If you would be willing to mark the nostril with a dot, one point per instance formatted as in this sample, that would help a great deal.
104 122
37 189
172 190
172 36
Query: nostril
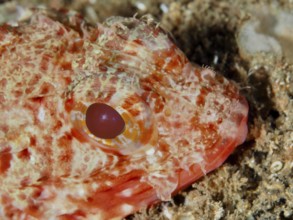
103 121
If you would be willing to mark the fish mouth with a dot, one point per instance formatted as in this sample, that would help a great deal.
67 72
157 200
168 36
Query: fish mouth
196 171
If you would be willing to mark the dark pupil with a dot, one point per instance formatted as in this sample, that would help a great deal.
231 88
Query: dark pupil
103 121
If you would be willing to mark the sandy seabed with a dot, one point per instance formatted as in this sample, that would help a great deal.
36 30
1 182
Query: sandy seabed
256 182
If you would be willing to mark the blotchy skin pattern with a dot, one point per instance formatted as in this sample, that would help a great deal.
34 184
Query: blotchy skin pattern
181 121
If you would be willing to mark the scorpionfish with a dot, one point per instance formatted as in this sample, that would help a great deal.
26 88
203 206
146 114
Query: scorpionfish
100 121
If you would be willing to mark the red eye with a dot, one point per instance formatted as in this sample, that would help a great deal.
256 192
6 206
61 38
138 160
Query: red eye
103 121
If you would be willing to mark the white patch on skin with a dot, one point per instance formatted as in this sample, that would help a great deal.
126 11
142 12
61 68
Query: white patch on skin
159 153
108 183
126 193
126 208
95 186
32 159
227 129
195 158
41 114
80 192
151 158
150 151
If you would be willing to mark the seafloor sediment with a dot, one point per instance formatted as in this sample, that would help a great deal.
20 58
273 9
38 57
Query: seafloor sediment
248 42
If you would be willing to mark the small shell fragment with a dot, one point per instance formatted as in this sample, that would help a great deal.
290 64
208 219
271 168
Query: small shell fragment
276 166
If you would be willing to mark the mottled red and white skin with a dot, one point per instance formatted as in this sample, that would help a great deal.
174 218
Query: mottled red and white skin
181 121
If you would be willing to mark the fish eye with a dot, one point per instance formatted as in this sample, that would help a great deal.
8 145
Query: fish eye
104 121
